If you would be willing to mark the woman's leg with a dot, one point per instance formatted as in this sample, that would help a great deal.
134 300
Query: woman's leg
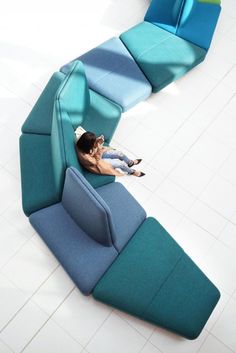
114 154
117 163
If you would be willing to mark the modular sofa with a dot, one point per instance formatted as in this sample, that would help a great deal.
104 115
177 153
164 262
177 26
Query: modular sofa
93 225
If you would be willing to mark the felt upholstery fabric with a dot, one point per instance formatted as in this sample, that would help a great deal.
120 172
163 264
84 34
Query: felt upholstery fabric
84 259
162 285
87 208
112 72
165 14
161 55
198 22
37 175
127 213
39 121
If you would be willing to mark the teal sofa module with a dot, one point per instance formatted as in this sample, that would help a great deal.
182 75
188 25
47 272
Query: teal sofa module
162 284
49 148
161 55
112 72
86 243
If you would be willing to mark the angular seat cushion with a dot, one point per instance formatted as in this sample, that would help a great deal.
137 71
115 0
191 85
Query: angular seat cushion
112 72
39 121
162 284
127 213
37 176
161 55
84 259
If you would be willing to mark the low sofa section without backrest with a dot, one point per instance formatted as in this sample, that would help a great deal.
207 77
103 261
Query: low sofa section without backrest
155 280
161 55
112 72
82 229
47 145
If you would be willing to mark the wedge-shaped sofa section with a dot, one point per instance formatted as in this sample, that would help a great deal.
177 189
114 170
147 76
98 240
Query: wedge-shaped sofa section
162 56
48 148
112 72
88 228
155 280
193 20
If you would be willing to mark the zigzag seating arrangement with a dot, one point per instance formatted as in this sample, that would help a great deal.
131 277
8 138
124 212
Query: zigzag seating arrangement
93 225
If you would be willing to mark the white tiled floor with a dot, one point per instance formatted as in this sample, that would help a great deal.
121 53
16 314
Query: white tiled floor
186 135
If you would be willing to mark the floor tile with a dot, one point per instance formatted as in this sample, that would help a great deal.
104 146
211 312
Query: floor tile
229 79
139 191
167 158
81 316
11 301
209 151
166 215
10 241
54 291
175 195
4 348
170 343
23 327
51 338
150 348
213 345
228 236
116 336
225 327
220 195
152 179
191 175
186 136
228 169
195 241
206 218
9 190
219 264
143 327
14 215
25 277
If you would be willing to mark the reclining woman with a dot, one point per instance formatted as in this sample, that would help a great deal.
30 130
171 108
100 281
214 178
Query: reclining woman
99 159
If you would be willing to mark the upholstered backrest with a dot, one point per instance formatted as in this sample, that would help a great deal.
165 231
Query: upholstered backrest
73 94
198 22
165 14
87 208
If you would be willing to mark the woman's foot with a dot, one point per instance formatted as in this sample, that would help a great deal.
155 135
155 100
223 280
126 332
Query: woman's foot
134 162
138 173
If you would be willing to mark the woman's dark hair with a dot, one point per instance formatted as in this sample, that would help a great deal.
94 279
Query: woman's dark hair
86 142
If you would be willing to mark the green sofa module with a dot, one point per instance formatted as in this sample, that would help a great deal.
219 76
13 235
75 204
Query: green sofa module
161 55
47 145
155 280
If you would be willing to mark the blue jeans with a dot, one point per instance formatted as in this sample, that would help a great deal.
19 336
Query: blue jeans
118 160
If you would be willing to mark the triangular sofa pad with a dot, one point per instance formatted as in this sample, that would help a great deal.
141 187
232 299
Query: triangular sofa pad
87 208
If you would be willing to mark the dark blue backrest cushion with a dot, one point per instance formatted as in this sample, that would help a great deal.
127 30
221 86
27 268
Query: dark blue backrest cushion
87 208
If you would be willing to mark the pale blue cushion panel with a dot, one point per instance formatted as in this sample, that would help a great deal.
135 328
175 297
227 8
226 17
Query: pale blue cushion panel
112 72
87 208
84 259
127 213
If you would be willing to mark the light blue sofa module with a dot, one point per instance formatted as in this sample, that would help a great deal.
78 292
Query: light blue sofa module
112 72
165 14
84 241
155 280
161 55
198 22
39 121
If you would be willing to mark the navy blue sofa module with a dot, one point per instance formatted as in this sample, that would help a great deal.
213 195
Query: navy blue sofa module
86 243
112 72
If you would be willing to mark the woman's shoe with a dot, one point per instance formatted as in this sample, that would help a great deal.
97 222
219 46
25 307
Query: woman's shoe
132 162
137 173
